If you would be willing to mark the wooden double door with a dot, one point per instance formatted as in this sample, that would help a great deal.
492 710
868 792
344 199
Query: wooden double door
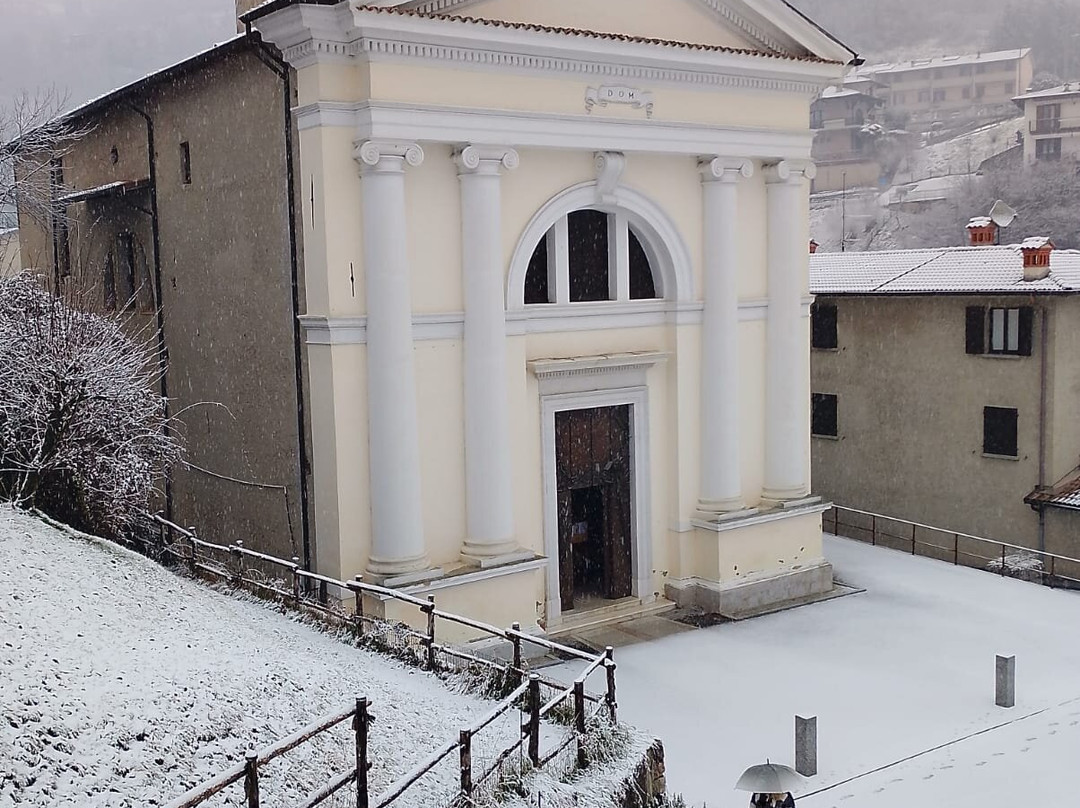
593 474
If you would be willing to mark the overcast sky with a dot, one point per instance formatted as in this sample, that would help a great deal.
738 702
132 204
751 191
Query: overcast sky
88 47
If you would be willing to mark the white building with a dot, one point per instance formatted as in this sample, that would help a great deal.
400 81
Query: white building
557 303
1052 122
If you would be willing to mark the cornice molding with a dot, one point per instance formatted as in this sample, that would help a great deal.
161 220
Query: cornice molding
429 123
755 33
595 365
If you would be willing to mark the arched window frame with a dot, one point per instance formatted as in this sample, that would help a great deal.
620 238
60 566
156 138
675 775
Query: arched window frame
664 246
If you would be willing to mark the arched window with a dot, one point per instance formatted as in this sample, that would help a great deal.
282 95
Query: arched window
589 256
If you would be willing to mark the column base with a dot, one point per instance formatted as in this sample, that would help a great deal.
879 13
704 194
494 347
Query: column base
384 568
719 508
786 498
486 556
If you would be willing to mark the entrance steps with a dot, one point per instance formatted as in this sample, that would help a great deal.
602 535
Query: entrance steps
619 611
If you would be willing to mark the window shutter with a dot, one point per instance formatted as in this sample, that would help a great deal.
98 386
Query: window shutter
976 330
1027 322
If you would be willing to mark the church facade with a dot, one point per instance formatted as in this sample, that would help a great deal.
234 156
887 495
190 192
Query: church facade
556 278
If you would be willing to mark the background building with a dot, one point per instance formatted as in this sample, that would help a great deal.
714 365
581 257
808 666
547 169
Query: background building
944 386
1052 123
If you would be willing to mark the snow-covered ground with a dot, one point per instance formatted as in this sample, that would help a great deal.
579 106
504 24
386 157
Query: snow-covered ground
963 154
900 669
122 684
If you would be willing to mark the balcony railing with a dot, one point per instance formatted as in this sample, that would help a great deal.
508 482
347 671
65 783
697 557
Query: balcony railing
1053 126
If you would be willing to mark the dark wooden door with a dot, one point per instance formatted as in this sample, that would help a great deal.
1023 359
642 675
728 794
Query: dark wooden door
592 448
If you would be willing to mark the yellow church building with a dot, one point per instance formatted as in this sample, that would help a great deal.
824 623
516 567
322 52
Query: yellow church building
556 313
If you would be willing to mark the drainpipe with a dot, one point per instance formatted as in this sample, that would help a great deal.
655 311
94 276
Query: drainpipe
162 350
1044 354
281 69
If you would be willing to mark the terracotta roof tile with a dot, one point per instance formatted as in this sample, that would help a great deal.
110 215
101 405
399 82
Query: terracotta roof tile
527 26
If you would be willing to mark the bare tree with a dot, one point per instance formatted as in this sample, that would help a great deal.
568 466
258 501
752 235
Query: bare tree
34 138
82 433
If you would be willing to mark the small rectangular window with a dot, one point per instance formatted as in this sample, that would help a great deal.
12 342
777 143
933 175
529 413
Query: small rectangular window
823 416
185 163
823 326
939 95
999 431
1048 148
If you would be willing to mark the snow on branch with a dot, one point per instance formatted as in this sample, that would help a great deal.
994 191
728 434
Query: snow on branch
83 435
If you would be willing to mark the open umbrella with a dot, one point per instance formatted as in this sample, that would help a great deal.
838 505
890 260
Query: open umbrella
769 778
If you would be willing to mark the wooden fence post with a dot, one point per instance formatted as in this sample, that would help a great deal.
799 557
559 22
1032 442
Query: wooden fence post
360 727
465 745
873 531
251 779
430 611
534 718
296 582
1003 561
579 723
516 627
609 666
955 549
324 595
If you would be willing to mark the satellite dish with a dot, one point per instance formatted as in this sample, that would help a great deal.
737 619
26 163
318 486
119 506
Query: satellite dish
1001 214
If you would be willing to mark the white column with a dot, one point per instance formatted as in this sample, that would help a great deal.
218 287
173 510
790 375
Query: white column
721 480
488 489
397 544
787 383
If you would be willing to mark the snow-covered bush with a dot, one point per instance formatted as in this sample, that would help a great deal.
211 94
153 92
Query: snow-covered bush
83 435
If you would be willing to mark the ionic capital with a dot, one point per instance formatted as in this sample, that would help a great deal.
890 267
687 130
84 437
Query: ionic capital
382 157
790 172
485 160
725 169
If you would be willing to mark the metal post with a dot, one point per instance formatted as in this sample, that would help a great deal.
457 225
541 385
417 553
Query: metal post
192 544
239 562
534 719
430 610
516 627
465 745
806 746
296 582
609 665
955 549
873 531
1005 681
579 723
359 607
251 779
913 538
1003 561
324 594
360 727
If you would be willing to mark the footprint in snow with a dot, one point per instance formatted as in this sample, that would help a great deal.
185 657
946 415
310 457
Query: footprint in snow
981 763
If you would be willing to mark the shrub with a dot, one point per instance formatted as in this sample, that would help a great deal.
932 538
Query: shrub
83 435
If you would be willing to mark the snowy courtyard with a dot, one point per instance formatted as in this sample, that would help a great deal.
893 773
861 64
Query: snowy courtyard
902 668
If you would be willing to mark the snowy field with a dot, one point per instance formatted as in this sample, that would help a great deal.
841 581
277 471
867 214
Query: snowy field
902 668
122 684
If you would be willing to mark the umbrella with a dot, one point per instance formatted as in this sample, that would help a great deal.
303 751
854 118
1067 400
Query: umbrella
769 778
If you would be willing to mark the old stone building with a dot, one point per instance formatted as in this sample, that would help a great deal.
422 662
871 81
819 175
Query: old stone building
179 217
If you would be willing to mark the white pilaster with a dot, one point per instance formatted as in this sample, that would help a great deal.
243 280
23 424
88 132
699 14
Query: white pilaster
488 490
721 480
787 383
397 545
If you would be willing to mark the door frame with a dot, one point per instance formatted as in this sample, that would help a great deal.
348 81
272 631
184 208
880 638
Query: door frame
640 484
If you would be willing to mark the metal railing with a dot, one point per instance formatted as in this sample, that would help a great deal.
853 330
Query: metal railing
961 549
289 583
1050 126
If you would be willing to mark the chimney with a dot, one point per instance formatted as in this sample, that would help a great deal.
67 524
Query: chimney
1036 252
813 246
243 7
982 231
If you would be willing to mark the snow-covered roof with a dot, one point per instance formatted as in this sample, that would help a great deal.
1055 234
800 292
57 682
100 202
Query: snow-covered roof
942 270
942 61
1062 90
109 189
1065 494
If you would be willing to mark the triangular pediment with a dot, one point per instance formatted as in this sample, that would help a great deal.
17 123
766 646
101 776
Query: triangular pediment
771 26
